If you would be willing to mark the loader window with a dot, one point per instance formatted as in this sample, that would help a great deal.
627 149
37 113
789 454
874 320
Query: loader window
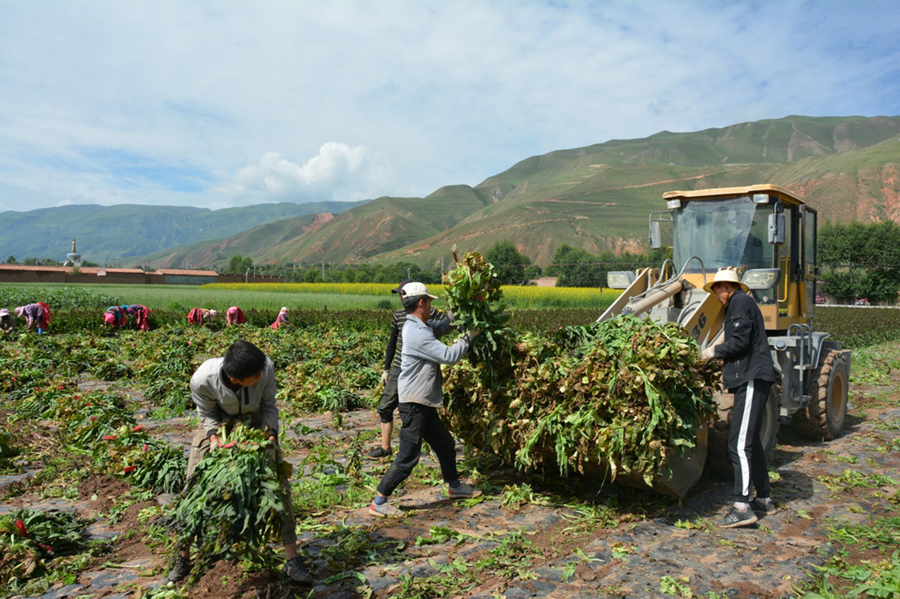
721 233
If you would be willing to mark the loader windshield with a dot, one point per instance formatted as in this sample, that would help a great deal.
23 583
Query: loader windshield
731 232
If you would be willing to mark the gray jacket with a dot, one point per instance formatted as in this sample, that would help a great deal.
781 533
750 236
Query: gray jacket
420 363
216 403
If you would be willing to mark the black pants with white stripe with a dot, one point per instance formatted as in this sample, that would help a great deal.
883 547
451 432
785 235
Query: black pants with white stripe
744 445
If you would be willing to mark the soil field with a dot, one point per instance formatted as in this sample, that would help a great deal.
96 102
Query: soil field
836 529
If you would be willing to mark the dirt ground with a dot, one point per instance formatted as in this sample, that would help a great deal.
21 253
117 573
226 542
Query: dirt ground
628 552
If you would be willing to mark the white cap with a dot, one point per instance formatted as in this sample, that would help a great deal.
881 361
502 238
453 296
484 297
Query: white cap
416 289
284 309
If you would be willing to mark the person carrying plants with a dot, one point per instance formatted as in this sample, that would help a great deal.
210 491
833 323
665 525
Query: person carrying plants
748 372
234 315
419 388
281 320
141 315
7 322
36 315
239 387
200 315
440 324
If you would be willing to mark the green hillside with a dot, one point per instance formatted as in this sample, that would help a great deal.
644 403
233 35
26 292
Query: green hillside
597 197
130 232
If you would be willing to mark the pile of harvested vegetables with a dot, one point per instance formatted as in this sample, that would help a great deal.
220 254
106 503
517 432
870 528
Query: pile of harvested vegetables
617 394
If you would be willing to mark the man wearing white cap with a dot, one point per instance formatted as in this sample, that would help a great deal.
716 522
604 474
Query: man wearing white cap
748 372
419 388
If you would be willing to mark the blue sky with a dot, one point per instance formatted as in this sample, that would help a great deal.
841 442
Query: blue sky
217 104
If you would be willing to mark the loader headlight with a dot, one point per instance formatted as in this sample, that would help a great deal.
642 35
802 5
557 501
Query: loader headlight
761 278
619 279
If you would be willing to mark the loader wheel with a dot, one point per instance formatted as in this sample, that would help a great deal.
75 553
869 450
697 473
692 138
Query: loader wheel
717 460
823 417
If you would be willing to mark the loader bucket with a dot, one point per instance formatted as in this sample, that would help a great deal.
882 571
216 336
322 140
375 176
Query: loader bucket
679 474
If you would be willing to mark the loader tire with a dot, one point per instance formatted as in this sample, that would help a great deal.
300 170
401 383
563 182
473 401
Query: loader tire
823 417
718 462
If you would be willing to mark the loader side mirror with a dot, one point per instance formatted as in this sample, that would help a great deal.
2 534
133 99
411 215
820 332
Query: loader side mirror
776 228
655 242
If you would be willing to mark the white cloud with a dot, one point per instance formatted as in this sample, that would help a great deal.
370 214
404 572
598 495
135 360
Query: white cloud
336 172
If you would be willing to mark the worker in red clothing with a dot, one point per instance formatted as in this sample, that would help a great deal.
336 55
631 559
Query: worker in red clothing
282 319
234 315
201 315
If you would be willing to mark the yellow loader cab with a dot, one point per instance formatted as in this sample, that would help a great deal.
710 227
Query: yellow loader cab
769 235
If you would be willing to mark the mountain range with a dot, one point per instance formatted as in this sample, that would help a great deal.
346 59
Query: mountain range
596 198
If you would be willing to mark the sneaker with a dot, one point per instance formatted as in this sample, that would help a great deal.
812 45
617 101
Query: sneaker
767 508
736 518
296 571
385 510
463 491
379 453
180 570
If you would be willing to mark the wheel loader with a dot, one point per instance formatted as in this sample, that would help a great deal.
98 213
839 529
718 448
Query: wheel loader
769 235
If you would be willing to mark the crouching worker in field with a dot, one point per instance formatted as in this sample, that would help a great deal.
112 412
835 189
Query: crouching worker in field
114 317
141 316
7 322
201 315
37 316
419 388
234 315
281 320
239 387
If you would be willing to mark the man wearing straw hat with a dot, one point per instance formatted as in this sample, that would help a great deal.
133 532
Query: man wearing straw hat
748 372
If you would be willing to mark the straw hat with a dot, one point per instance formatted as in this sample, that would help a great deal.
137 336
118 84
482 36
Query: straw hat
20 310
284 309
212 313
726 275
4 311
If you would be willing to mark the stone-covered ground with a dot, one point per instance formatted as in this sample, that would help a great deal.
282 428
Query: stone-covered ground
538 538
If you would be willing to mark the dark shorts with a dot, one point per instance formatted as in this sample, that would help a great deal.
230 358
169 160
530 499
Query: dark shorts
390 398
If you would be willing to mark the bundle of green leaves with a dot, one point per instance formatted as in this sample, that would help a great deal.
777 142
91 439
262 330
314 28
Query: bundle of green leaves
133 454
233 503
475 297
29 538
616 395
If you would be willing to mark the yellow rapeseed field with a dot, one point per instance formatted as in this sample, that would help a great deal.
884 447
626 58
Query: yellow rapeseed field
516 297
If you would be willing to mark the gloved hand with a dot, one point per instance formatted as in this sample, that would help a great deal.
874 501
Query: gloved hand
709 353
473 332
214 443
450 315
384 377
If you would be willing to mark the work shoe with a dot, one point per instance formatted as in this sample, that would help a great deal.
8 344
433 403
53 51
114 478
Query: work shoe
463 491
180 570
766 508
385 510
736 518
296 571
379 452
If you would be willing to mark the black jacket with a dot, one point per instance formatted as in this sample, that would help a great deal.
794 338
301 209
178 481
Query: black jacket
746 347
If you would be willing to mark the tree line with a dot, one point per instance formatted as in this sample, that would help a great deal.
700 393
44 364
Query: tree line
860 261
